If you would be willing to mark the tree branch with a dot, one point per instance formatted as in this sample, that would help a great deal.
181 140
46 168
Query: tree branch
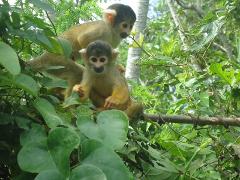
225 121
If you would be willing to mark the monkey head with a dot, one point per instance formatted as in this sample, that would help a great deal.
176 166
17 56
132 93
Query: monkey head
99 57
121 17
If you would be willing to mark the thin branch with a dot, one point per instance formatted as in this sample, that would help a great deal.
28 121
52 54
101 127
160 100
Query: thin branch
54 28
225 121
150 55
191 7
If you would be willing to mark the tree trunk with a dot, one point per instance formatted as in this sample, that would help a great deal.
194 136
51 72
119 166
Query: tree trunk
134 53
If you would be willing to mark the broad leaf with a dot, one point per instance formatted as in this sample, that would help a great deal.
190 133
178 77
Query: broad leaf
48 112
34 158
61 142
49 175
27 83
36 134
9 59
87 172
105 159
110 128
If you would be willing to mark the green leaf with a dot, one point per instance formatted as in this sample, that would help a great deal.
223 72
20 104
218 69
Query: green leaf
36 134
66 47
42 38
34 158
61 142
48 112
72 100
227 76
42 5
87 172
110 128
49 175
204 99
9 59
27 83
105 159
210 31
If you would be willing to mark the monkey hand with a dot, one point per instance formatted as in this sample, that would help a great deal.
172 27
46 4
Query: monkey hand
80 90
113 102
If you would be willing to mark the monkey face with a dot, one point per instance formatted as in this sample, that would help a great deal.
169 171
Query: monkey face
98 64
125 28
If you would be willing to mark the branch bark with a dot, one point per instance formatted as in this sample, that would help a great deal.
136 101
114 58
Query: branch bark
225 121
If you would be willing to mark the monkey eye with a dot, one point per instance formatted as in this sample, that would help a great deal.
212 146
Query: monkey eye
93 59
124 25
102 59
131 26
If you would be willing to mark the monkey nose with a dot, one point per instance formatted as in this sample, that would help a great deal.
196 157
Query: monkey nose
98 69
124 35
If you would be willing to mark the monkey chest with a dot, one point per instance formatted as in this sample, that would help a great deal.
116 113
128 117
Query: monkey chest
102 88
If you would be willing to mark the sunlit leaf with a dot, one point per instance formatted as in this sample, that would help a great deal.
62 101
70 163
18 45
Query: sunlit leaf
9 59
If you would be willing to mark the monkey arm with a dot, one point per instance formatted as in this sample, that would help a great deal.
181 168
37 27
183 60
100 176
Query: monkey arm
84 88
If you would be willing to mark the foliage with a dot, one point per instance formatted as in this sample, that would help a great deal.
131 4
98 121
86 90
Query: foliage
43 138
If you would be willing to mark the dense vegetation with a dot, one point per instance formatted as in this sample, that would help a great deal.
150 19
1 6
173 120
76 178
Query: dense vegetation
44 138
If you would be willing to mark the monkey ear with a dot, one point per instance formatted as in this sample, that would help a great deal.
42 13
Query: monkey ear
83 53
115 53
109 15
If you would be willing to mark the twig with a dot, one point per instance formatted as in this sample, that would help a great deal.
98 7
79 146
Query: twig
54 28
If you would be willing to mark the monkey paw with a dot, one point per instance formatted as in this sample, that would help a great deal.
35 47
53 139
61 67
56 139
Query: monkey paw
78 88
112 102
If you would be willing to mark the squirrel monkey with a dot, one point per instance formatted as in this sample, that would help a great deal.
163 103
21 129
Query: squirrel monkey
117 24
103 83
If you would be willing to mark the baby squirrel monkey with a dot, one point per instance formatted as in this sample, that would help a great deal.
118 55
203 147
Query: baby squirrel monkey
103 83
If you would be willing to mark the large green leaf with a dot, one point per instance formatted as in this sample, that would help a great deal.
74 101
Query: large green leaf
48 112
61 142
49 175
9 59
87 172
110 128
36 134
105 159
35 157
27 83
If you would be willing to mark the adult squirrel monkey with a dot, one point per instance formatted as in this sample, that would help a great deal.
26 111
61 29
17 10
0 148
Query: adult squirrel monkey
103 83
117 23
